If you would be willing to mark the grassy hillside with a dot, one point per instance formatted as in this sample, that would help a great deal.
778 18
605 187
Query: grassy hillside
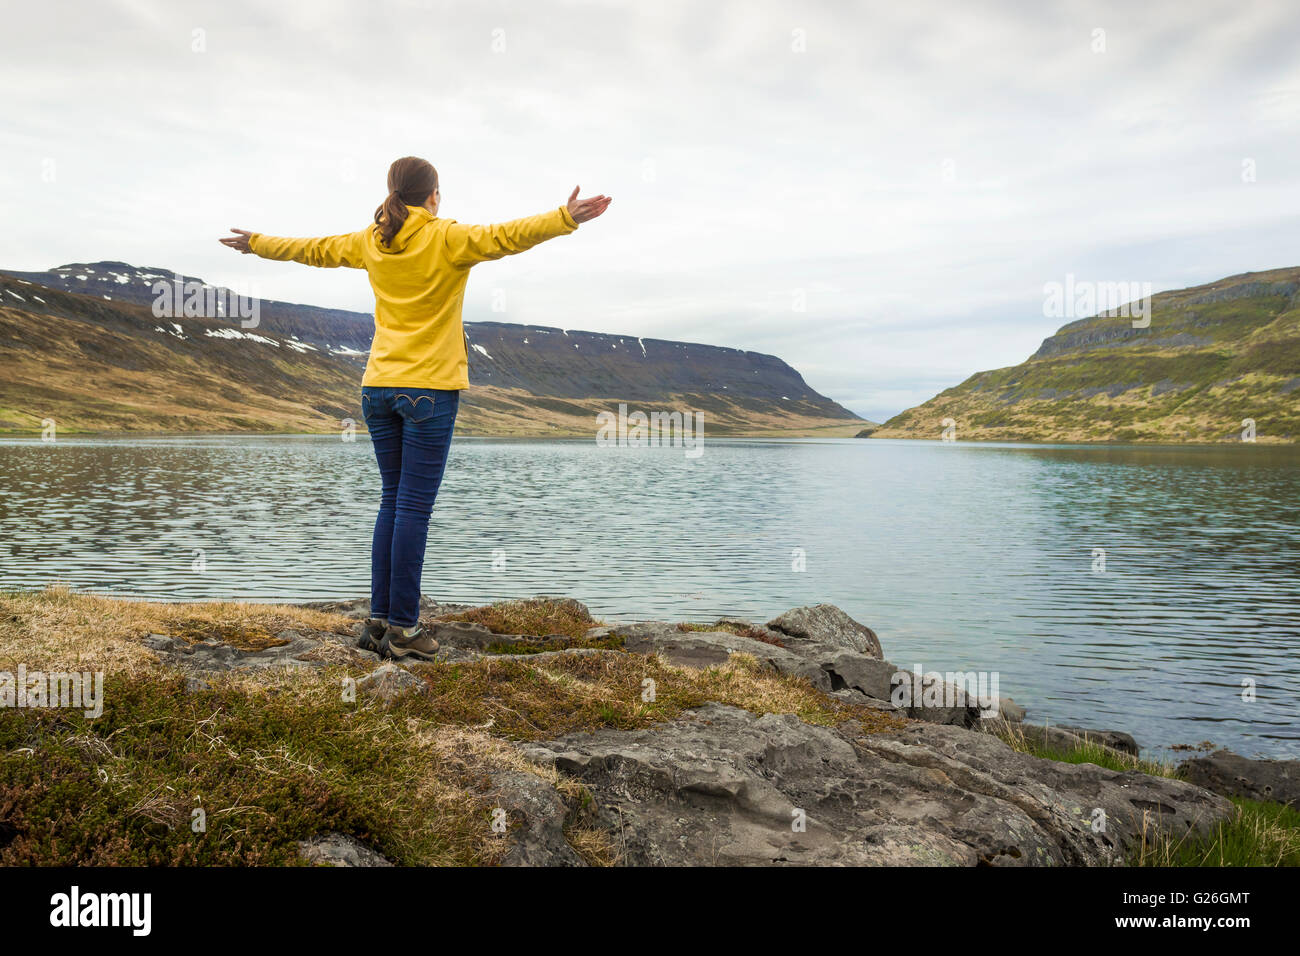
98 364
1212 356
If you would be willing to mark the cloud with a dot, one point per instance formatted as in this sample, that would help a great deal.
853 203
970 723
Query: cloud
874 192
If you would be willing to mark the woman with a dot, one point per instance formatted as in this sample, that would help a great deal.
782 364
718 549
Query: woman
418 265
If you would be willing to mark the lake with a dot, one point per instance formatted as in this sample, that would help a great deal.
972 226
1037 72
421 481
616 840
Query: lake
1125 587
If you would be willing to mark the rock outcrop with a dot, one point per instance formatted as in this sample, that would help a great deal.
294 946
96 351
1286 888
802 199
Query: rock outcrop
822 644
826 624
532 814
339 849
290 650
1233 775
722 786
387 682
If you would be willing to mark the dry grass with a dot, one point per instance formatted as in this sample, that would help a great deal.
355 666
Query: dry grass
58 626
568 693
594 845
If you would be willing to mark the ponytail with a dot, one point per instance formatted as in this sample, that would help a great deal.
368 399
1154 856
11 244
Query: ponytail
411 181
390 217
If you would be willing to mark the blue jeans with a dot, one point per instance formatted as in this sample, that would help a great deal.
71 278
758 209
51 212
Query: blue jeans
411 431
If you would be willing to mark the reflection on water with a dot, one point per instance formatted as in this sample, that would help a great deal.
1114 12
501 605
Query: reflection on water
960 556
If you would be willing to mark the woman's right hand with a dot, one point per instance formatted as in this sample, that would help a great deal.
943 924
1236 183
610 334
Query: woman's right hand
584 210
240 242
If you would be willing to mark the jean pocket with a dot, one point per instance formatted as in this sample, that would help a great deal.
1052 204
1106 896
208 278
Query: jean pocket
417 409
365 405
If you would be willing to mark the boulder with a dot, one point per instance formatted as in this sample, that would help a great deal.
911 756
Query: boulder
927 696
387 682
700 649
849 669
878 679
1114 739
1064 739
826 624
722 786
1233 775
339 849
859 699
1008 709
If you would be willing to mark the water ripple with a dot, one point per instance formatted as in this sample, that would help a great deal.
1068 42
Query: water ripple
960 556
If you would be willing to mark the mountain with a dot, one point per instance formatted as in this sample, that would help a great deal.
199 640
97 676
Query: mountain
1211 357
81 344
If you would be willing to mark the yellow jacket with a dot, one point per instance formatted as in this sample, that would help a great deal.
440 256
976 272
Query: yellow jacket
419 285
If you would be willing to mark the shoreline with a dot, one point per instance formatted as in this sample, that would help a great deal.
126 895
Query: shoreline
35 434
812 432
1163 753
561 717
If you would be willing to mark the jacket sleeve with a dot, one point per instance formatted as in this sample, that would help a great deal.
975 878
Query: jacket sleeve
467 245
328 253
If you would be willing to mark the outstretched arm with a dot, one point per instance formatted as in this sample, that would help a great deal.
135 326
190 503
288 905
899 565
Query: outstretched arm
328 253
467 245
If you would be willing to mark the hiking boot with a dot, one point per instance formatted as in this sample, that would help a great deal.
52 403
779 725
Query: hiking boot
372 636
409 642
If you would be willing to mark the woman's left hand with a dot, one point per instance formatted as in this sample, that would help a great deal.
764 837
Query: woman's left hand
240 242
585 210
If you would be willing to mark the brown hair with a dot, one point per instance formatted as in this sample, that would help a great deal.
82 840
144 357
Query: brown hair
411 181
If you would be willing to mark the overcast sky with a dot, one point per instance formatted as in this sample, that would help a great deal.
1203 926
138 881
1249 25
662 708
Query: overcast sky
876 192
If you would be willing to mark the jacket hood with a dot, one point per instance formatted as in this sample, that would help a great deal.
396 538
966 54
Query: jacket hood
417 218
